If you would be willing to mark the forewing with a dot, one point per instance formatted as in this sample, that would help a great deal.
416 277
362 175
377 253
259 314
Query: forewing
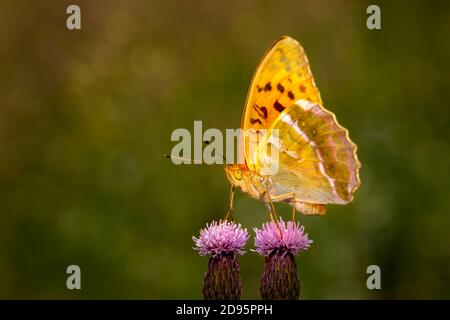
282 77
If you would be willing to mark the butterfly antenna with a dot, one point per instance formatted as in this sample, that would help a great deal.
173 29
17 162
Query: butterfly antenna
185 160
189 161
220 154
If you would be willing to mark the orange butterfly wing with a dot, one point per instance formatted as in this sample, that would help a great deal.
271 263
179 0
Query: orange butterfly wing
282 77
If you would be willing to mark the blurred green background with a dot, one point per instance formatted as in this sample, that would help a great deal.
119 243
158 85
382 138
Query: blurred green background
86 117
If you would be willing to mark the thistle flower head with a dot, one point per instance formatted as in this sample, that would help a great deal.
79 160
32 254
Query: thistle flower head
223 237
281 237
222 240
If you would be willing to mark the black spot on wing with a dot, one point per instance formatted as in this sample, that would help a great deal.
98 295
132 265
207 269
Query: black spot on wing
268 87
264 112
291 95
280 87
278 106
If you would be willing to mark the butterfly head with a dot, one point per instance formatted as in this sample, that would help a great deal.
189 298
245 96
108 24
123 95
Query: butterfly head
236 174
241 176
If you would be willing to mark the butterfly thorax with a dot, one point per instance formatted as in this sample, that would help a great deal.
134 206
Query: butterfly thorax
247 180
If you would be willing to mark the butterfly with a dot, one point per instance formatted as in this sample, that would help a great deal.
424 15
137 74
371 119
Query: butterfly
315 159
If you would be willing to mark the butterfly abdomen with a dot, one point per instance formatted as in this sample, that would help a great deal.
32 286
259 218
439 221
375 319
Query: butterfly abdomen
309 208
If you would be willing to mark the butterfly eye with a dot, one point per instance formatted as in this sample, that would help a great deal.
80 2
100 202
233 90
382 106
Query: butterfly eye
237 174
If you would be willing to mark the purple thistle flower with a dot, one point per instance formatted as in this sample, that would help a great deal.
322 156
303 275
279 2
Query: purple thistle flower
279 243
223 241
220 238
285 237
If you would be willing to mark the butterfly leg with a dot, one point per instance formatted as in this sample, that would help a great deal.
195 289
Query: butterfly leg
287 196
229 214
282 197
265 197
272 213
